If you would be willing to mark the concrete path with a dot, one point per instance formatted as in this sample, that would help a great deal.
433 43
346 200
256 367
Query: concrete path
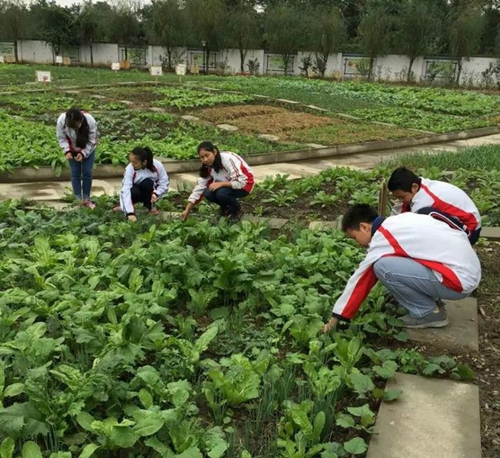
433 418
48 191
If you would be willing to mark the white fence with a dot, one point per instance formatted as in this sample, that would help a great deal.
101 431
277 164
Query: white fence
391 67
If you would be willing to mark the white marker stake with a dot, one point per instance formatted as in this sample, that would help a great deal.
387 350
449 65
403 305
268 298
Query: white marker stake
115 66
59 60
2 60
156 72
181 71
43 77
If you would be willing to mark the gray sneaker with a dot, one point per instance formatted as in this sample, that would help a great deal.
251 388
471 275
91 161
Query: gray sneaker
432 320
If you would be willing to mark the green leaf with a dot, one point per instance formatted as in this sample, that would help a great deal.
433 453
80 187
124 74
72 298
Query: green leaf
146 398
387 370
465 372
345 421
204 340
88 451
391 395
13 390
60 455
431 369
356 446
7 448
2 376
361 383
367 417
163 450
85 420
123 436
401 336
31 450
148 426
193 452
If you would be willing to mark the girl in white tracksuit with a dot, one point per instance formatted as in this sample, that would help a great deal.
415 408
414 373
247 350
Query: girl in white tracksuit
76 133
416 257
145 181
420 195
224 178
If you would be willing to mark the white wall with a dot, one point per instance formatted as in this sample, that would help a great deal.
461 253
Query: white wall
392 67
32 51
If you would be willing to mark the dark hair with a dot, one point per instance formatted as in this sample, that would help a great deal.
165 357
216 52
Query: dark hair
74 115
357 214
217 165
144 154
402 179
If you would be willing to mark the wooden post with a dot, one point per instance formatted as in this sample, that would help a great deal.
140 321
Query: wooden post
382 199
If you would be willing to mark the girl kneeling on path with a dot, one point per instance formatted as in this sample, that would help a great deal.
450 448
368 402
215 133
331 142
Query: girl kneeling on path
145 180
76 133
224 178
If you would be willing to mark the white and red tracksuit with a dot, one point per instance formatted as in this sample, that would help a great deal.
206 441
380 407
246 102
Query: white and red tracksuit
234 169
426 240
132 176
446 198
66 136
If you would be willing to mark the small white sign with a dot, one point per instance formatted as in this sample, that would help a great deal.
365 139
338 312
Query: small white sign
43 77
59 60
180 69
115 66
2 60
156 71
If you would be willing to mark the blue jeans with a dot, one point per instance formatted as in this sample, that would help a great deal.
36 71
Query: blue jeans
226 198
81 174
414 286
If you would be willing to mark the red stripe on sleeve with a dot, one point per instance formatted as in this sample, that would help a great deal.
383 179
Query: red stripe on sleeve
467 218
360 293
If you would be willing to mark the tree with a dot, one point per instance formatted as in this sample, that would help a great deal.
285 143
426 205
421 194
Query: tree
168 26
284 32
56 26
243 23
374 34
417 24
466 29
208 18
124 24
14 15
328 35
89 26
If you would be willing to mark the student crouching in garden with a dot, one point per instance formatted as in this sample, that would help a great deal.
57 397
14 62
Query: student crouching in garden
439 199
224 178
145 181
76 133
416 257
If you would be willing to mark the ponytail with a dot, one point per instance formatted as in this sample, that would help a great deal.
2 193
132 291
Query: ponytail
73 116
144 154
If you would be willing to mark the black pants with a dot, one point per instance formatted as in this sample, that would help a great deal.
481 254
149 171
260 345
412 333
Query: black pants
142 192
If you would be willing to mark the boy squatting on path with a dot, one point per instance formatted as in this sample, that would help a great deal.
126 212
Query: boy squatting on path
420 195
416 257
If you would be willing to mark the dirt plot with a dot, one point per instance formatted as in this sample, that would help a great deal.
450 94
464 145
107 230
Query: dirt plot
222 114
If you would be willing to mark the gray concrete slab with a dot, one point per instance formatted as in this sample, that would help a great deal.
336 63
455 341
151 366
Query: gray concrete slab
274 223
324 225
491 233
461 332
433 418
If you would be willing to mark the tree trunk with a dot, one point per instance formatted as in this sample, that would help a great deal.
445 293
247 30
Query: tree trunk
16 55
370 68
91 55
459 70
408 77
170 67
243 54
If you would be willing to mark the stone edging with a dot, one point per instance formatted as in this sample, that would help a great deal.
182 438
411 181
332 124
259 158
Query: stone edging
29 174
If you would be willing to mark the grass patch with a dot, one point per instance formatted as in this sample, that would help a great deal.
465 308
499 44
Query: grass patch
477 158
341 132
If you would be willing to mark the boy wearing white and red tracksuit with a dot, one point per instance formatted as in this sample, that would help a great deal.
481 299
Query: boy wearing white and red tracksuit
224 178
416 257
420 195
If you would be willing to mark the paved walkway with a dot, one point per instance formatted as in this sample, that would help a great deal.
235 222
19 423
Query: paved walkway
53 191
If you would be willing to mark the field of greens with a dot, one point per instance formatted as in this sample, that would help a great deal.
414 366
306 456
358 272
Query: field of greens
185 340
430 109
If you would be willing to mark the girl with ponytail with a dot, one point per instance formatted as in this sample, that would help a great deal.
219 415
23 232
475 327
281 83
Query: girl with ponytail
145 181
76 133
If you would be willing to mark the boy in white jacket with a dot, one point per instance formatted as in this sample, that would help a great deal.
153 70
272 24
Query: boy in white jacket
420 195
416 257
